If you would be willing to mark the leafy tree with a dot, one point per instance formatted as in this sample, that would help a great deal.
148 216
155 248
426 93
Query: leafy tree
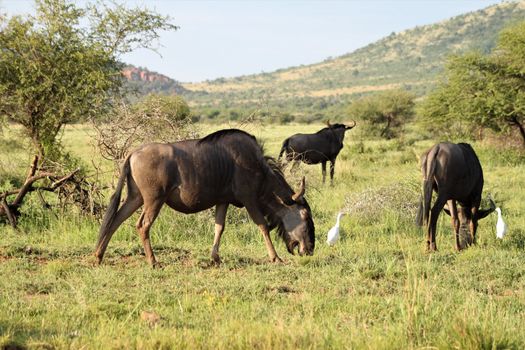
61 65
386 111
482 91
172 108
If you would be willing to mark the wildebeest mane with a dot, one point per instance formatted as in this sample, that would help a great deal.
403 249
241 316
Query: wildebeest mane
221 133
331 127
274 177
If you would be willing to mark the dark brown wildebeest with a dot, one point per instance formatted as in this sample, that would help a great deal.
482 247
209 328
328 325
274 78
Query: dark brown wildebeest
226 167
317 148
455 173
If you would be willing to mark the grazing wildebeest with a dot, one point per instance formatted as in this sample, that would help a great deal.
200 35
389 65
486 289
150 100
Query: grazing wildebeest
225 167
454 172
317 148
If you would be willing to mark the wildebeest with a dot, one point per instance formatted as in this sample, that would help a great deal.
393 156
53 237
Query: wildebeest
225 167
454 172
317 148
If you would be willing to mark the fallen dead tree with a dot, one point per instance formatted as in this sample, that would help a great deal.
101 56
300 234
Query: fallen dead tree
10 210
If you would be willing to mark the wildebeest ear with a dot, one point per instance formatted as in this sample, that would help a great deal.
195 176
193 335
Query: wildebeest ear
299 194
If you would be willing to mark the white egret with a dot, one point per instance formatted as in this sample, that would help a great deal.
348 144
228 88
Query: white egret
501 226
333 234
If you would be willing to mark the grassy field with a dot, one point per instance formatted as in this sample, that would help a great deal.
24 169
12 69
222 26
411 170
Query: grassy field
376 289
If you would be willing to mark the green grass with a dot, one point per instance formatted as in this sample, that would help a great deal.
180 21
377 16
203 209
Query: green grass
376 289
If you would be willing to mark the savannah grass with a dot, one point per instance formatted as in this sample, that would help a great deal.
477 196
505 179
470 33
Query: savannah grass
376 288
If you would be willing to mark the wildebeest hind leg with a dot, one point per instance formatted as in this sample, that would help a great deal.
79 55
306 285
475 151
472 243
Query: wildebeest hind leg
220 218
131 204
434 214
323 170
148 216
258 218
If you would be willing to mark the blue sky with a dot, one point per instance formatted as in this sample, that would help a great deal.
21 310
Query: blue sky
232 38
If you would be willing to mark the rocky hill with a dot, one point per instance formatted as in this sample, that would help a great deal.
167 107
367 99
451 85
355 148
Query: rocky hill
145 81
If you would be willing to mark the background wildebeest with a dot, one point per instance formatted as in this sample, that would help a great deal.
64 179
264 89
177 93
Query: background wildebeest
226 167
317 148
455 173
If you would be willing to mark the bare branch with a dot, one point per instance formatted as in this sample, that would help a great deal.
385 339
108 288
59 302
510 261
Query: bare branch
8 213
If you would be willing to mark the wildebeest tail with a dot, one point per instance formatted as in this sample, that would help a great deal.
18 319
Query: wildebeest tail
283 148
428 173
114 203
419 216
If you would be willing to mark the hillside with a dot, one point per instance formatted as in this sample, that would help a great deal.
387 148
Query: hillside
410 59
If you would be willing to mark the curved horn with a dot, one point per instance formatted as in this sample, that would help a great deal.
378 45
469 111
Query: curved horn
297 195
350 127
328 123
484 212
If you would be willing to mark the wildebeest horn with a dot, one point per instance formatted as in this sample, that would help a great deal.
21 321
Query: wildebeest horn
350 127
297 195
484 212
328 123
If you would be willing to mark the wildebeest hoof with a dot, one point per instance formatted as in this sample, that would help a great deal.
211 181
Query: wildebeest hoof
431 248
157 265
216 259
276 259
98 260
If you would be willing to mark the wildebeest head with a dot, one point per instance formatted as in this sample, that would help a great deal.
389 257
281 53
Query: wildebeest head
294 223
465 215
340 125
338 130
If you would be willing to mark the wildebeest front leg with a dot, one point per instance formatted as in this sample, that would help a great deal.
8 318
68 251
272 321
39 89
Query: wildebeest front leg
272 254
258 218
220 218
455 221
323 169
332 169
146 219
473 224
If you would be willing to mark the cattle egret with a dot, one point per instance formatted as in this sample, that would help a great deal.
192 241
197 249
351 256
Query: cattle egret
333 234
501 226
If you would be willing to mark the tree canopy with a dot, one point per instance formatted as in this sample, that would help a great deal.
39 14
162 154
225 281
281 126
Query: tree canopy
61 65
386 112
482 91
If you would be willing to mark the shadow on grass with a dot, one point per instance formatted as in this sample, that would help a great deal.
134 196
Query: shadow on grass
14 340
230 262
